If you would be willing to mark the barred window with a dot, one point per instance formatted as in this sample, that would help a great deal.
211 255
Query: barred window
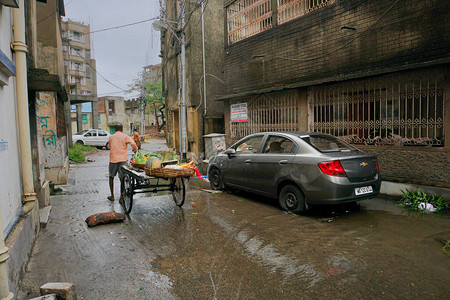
291 9
402 110
248 17
268 112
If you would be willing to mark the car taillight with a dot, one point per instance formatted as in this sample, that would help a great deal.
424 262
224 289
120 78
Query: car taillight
333 168
378 167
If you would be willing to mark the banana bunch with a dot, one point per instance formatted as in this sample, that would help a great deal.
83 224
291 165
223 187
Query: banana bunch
188 165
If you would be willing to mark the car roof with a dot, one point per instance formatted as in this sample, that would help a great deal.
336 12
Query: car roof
294 133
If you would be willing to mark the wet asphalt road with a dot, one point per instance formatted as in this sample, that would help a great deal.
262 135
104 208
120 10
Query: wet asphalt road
234 246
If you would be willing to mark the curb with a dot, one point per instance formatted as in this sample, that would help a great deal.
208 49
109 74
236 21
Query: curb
394 189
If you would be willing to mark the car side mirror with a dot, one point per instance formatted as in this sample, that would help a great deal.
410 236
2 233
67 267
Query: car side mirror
230 152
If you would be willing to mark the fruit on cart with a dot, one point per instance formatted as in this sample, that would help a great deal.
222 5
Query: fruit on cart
140 157
153 163
188 165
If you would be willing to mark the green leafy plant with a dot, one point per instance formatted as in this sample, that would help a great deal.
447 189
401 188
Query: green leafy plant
414 200
84 148
446 246
78 152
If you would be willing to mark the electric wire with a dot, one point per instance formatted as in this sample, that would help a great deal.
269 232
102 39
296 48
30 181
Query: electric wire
345 44
200 89
198 22
53 13
96 71
122 26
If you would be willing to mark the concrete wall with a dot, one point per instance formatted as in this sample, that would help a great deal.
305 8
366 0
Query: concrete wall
313 48
427 166
20 244
55 148
10 176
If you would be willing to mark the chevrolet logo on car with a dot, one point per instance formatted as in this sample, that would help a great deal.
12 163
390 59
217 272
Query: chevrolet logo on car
363 164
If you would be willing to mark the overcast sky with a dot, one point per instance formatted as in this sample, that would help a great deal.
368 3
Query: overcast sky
120 53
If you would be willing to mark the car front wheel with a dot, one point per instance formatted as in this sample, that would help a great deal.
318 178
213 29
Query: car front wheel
107 146
215 179
291 199
80 142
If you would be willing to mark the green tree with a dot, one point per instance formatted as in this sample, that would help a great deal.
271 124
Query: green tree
152 93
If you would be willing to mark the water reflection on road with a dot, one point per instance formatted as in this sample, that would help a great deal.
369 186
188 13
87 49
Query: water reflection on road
236 246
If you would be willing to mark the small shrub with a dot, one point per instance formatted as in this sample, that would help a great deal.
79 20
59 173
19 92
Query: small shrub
83 148
76 155
77 152
412 200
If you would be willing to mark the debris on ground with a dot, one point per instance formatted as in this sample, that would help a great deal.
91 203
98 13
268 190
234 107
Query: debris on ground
428 207
104 218
420 201
328 220
63 290
212 191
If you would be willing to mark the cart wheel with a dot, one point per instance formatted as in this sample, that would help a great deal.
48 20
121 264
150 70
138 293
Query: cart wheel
178 190
127 193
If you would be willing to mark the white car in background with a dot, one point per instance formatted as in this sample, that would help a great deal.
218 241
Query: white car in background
92 137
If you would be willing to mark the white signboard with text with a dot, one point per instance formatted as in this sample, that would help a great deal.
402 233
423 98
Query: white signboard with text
239 112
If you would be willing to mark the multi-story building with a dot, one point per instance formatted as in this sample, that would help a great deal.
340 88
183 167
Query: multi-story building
374 73
113 110
204 116
79 69
152 73
77 56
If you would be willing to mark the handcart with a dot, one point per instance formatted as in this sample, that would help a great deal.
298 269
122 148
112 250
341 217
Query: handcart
137 181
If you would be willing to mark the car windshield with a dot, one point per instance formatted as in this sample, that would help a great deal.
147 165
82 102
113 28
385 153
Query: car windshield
81 132
326 143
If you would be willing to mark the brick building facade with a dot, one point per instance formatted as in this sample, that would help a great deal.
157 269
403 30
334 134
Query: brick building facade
374 73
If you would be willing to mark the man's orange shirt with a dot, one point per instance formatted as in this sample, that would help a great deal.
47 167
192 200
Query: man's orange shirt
118 144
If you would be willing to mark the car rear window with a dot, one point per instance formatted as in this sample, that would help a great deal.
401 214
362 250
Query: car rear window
326 143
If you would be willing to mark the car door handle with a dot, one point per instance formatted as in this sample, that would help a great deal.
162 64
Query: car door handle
247 161
283 162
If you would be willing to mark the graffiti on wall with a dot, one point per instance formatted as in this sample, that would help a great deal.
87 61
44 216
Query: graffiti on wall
47 120
3 145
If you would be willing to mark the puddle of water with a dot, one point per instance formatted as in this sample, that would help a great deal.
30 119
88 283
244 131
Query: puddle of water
269 256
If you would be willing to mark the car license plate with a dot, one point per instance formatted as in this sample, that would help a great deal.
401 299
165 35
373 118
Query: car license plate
363 190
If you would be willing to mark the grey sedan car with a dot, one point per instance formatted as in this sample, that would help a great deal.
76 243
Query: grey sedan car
298 168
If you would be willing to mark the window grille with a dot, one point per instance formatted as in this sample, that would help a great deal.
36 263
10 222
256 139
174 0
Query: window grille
291 9
269 112
248 17
396 110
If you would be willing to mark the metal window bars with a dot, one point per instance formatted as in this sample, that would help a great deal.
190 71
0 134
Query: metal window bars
268 112
246 18
403 110
291 9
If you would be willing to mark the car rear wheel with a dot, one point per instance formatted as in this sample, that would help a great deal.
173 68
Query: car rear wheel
291 199
80 142
215 179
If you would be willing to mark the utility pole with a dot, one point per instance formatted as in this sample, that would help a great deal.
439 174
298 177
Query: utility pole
182 110
204 63
142 103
